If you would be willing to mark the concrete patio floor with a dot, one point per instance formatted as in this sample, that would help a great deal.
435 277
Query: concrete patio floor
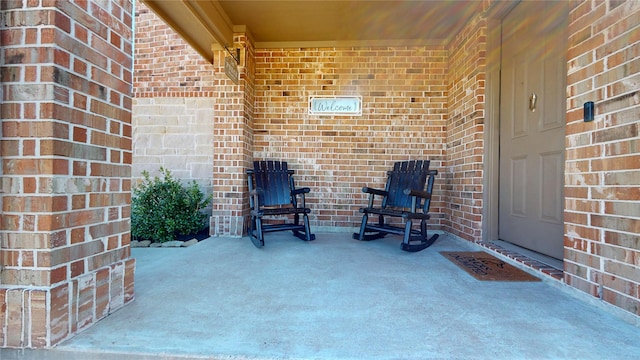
337 298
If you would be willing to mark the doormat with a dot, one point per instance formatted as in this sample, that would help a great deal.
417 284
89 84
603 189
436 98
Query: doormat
486 267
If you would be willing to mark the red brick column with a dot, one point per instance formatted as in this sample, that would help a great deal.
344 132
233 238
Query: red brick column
233 141
66 167
465 131
602 186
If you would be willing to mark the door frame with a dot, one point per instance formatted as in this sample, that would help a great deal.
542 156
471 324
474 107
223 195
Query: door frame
491 162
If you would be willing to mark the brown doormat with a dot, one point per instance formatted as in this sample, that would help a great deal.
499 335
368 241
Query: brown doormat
483 266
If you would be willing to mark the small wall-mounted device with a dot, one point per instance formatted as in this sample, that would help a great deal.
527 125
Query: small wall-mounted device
588 111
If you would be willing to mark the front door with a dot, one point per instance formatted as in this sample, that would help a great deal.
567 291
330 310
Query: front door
532 126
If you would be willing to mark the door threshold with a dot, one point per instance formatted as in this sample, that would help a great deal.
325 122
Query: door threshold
543 263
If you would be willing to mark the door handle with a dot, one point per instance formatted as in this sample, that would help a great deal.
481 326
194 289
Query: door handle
533 100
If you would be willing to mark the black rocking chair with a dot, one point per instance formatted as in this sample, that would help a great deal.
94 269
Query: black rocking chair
407 195
272 192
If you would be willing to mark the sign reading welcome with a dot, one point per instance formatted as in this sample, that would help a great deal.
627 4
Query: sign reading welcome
324 105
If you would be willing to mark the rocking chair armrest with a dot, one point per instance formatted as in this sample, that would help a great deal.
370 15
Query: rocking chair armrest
294 197
373 191
254 198
303 190
418 193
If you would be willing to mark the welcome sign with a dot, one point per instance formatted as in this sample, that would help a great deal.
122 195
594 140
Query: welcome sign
231 69
329 105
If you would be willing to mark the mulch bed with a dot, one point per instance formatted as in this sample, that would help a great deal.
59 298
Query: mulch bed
179 241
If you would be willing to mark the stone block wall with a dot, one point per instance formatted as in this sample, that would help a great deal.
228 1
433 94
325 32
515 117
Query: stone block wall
174 133
66 167
174 98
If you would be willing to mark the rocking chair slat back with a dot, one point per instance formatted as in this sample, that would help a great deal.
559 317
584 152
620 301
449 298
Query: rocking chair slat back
273 194
405 175
273 178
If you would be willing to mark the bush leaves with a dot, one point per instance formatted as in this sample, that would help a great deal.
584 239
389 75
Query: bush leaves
164 208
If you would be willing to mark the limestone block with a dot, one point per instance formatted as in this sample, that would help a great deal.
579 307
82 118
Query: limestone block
189 243
173 243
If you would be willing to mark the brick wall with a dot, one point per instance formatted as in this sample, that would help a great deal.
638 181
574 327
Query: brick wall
465 130
404 116
165 65
66 155
265 116
602 216
233 141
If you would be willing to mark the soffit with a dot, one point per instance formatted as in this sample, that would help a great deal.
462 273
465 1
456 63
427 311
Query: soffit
305 23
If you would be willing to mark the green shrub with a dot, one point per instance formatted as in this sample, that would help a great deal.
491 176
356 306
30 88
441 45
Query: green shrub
163 208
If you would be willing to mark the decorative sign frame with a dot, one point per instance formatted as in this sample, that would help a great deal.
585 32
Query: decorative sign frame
335 105
231 69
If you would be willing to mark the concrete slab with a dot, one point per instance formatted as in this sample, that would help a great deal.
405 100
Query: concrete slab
338 298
